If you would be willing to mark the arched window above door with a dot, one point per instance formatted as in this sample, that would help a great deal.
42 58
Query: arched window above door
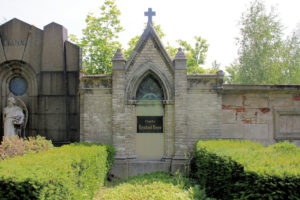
149 89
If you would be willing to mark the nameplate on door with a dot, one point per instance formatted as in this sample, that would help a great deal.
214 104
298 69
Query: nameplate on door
150 124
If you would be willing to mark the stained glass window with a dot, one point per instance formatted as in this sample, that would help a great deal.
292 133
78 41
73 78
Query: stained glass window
18 86
149 89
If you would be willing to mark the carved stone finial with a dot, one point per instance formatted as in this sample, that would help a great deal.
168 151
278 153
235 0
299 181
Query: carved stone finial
118 56
180 55
150 13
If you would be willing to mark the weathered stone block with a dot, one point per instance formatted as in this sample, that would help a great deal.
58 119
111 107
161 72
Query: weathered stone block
52 83
281 100
52 105
53 47
73 57
229 117
232 100
2 53
257 101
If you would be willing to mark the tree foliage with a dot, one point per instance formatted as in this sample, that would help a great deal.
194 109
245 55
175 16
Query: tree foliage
133 41
99 41
196 53
264 56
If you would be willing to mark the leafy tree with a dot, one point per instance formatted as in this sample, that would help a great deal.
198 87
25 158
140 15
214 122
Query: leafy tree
99 43
232 71
290 66
260 42
99 39
215 66
196 54
264 56
133 41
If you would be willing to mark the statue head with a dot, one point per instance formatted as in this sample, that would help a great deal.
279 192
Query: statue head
11 101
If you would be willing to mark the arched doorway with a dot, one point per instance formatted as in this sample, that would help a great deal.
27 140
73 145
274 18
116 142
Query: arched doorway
150 117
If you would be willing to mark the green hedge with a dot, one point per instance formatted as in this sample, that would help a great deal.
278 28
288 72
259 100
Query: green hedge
69 172
246 170
154 186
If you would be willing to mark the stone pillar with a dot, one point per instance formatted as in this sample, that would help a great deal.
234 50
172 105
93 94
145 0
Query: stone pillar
180 156
53 47
53 87
118 104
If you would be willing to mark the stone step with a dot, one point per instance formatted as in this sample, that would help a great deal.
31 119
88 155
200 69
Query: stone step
127 168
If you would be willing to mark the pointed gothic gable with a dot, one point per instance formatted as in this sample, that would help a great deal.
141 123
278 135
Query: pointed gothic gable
150 34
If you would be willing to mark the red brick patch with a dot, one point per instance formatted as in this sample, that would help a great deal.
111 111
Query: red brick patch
224 107
296 98
264 110
247 121
240 109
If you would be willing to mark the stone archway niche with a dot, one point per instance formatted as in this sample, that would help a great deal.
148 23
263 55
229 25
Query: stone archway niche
18 79
150 117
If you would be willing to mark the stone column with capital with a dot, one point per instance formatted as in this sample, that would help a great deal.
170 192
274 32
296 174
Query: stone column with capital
180 155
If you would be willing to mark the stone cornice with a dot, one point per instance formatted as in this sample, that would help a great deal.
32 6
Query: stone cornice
236 87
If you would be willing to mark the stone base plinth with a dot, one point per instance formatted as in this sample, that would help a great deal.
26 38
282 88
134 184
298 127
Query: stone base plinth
123 168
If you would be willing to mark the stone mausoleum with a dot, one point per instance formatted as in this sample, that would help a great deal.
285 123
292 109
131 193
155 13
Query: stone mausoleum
150 109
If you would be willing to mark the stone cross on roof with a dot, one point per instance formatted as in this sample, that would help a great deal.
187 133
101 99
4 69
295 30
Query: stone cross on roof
150 13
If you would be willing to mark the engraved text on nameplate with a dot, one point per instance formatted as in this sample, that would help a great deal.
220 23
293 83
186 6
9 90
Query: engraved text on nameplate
149 124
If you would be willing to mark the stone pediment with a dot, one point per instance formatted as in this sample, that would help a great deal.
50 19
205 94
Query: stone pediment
15 35
150 33
15 29
16 22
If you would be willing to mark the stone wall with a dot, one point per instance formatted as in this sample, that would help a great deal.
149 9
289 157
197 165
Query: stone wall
204 107
264 113
96 109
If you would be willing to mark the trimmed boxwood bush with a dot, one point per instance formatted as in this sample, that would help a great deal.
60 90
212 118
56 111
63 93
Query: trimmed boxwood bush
154 186
68 172
246 170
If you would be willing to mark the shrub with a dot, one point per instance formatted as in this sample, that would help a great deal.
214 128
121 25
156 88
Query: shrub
109 148
155 186
247 170
15 146
68 172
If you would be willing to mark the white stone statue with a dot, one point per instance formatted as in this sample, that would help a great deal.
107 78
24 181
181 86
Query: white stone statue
13 118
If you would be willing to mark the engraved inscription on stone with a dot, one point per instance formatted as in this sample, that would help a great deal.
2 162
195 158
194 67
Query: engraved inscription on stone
149 124
14 43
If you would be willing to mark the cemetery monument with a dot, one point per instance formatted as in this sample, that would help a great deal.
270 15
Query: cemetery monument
149 108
